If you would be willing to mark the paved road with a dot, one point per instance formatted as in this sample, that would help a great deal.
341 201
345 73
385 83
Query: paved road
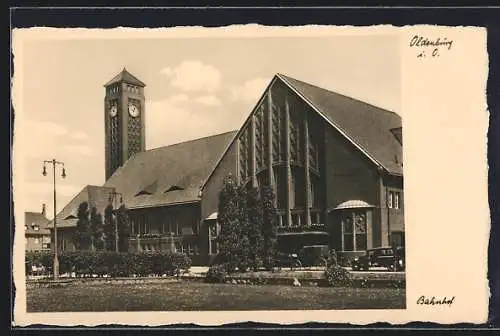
373 270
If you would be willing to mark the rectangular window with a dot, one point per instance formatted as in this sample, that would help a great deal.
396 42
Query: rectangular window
393 200
354 231
37 241
396 200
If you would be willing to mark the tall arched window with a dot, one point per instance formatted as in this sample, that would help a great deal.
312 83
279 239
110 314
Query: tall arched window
354 230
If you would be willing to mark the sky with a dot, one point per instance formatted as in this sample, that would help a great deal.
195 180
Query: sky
195 87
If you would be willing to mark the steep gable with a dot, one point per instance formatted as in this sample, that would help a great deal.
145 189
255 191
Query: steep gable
367 126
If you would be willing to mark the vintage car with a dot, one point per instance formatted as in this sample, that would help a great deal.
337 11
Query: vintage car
314 255
289 260
393 259
307 256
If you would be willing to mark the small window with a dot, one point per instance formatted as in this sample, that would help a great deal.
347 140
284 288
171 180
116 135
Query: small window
389 200
143 192
36 228
174 188
37 241
396 200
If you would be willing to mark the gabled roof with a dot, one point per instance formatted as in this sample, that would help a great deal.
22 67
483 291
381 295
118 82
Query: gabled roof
96 196
371 129
125 77
368 127
36 219
169 175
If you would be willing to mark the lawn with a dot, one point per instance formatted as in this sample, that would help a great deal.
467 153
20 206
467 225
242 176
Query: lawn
191 296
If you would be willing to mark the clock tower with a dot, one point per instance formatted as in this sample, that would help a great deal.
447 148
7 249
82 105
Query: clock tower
124 120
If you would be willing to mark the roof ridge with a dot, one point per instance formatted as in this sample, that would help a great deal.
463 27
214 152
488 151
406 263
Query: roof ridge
34 212
188 141
384 109
122 77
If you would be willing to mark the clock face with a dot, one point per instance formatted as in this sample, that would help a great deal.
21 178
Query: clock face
133 110
113 110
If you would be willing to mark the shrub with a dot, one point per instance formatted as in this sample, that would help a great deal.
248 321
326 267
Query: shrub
114 264
179 262
337 276
216 274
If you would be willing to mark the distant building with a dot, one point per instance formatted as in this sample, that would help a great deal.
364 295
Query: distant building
36 231
335 164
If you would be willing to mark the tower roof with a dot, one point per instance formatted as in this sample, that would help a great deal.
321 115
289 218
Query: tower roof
126 77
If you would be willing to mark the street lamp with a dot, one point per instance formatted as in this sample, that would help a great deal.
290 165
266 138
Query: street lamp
63 175
113 197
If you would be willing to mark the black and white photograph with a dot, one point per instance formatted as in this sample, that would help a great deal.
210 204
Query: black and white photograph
218 173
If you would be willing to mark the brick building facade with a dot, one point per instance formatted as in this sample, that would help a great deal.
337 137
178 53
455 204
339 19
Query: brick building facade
335 164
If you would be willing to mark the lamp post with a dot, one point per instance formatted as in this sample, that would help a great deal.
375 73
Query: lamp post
54 162
113 196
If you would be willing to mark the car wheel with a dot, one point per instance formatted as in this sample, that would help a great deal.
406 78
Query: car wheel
297 264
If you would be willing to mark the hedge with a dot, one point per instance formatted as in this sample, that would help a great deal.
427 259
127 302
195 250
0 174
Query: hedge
111 263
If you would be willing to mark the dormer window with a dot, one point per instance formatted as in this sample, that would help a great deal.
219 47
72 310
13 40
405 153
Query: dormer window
174 188
143 192
149 189
36 227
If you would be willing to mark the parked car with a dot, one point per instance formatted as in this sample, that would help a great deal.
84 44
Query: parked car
290 260
307 256
314 255
388 257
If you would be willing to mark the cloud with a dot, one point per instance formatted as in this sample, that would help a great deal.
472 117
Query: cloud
80 149
251 90
79 135
46 139
208 100
192 75
40 139
166 71
44 127
169 122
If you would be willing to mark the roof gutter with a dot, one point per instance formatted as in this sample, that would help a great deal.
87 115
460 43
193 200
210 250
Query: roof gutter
163 205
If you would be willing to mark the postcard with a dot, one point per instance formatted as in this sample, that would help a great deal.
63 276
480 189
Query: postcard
250 173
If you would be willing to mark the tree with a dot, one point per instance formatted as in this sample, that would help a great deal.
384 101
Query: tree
229 220
97 229
269 225
109 228
83 233
243 231
255 227
123 228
